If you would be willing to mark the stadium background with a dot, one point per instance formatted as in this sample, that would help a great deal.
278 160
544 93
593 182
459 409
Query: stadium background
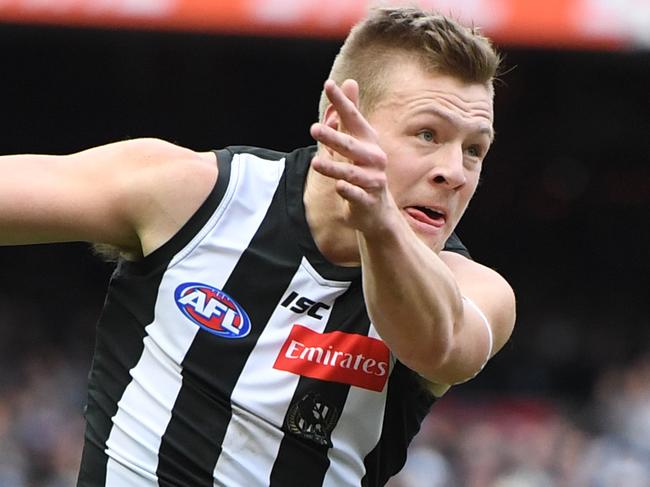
562 213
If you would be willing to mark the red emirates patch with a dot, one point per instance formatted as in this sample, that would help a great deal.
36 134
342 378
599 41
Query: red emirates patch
336 357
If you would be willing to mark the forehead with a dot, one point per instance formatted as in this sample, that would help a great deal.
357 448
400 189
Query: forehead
409 90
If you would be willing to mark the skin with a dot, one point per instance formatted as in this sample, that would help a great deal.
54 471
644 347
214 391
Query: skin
401 138
422 145
133 195
370 174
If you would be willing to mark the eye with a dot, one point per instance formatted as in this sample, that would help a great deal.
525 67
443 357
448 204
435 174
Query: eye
474 151
427 135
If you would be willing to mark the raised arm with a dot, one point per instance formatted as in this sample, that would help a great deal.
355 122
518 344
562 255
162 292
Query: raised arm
442 315
133 195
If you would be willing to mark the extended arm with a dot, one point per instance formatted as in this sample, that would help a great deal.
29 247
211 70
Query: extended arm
132 195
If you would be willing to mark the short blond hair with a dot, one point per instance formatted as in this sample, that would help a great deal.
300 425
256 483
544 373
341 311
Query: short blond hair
438 43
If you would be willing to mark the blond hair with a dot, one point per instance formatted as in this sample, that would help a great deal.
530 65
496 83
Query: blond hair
438 43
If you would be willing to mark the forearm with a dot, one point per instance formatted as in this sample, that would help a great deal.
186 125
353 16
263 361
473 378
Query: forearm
412 298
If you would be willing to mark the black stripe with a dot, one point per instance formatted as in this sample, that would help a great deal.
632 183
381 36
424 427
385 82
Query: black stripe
261 152
407 403
212 366
302 461
454 244
298 163
128 309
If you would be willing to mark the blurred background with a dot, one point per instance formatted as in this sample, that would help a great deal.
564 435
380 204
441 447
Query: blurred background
562 213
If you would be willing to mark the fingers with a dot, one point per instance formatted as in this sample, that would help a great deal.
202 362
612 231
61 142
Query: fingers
345 100
352 193
345 130
350 147
366 179
360 177
350 89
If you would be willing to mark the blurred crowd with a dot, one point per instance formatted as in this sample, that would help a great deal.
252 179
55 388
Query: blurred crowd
41 422
467 440
537 441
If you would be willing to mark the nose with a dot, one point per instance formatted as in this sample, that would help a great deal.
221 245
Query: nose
448 168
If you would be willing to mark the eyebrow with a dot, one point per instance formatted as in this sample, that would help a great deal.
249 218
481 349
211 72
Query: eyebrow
454 119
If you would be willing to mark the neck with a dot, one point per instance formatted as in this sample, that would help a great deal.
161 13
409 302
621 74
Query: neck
325 213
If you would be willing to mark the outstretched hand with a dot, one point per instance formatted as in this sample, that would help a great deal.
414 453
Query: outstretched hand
354 159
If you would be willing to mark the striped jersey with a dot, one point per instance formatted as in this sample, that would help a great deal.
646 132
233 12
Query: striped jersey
237 355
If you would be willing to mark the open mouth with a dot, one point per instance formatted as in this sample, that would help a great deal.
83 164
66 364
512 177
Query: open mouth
433 214
426 215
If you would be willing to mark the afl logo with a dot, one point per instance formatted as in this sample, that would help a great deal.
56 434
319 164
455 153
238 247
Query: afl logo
212 309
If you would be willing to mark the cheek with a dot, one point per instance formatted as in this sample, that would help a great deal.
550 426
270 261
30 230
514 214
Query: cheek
472 177
404 167
466 195
401 176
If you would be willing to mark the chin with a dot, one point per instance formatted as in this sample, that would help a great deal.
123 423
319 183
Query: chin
433 237
434 242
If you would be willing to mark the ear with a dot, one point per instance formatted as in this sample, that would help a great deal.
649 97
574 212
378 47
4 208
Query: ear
331 118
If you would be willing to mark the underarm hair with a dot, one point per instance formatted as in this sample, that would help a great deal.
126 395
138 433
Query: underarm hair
106 252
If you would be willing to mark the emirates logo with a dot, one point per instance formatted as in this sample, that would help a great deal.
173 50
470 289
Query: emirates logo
347 358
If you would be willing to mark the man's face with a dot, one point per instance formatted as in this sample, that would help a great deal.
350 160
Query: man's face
435 130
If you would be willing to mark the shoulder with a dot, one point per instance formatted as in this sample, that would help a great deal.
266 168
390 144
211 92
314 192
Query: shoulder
159 185
463 267
127 160
166 161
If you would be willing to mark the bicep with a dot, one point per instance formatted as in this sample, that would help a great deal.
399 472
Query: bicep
47 198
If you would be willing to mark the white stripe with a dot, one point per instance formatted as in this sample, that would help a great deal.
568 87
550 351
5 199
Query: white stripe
487 325
254 434
254 180
120 474
485 321
356 433
135 437
146 406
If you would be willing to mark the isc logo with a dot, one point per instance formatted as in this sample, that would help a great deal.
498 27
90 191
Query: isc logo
212 309
300 304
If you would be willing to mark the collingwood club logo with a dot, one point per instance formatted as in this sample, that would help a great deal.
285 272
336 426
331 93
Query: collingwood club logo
313 419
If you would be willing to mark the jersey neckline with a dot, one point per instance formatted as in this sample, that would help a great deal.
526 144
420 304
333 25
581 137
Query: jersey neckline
297 166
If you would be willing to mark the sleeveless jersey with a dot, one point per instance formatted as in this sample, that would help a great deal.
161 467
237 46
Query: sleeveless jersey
237 355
